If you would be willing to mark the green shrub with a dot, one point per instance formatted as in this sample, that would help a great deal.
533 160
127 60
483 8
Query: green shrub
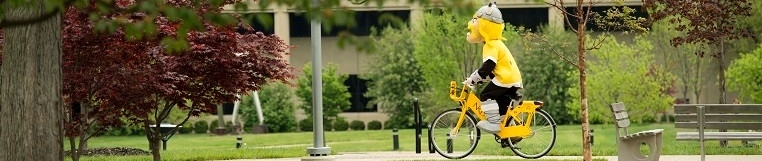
357 125
200 127
374 125
340 124
328 125
186 128
335 94
229 126
388 124
214 124
305 124
278 108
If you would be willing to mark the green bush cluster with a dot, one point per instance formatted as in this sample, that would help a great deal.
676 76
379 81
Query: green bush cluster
186 128
357 125
374 125
340 124
305 124
200 127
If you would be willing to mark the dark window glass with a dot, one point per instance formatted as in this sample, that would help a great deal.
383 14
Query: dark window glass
357 88
251 20
530 18
300 26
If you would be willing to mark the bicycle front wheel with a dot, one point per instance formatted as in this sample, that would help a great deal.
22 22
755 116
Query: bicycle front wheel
541 138
451 144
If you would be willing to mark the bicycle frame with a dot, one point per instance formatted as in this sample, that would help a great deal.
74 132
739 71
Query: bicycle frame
469 102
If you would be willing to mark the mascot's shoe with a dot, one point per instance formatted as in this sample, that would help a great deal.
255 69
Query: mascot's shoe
491 111
515 140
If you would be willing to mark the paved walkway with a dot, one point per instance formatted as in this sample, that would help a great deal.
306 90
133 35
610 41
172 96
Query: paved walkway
411 155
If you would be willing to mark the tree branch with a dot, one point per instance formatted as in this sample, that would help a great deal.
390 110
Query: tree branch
565 13
174 130
597 45
554 51
11 23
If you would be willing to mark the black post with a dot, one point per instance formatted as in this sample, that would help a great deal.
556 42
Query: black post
238 142
164 143
418 124
431 142
592 138
395 139
449 144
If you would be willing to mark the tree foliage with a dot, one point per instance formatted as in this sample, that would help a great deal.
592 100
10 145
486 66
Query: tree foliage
138 79
620 73
335 93
444 55
711 22
689 69
546 77
743 75
396 77
277 108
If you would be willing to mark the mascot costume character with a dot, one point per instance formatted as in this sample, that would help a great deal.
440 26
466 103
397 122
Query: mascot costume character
498 67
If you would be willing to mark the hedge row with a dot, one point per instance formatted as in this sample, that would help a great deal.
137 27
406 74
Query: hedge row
203 127
342 125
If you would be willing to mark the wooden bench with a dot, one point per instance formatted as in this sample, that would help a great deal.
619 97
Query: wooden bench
718 116
628 145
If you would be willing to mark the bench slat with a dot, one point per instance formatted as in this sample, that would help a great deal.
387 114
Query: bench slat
643 133
719 117
719 108
720 136
616 107
722 125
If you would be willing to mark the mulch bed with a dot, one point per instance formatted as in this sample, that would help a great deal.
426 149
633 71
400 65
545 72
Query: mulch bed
118 151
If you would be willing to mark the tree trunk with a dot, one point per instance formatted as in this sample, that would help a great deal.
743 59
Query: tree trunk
721 58
73 150
30 88
154 141
83 142
587 153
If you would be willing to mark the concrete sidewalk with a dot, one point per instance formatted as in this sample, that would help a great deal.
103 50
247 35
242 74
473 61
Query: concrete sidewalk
411 155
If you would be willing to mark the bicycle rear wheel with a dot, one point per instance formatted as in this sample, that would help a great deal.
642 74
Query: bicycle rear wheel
454 145
541 139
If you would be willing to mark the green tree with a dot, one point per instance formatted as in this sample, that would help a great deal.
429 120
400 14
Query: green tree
744 75
396 77
689 69
277 108
546 79
444 55
620 73
335 93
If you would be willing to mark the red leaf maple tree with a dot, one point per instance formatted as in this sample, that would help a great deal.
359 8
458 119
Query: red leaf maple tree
115 76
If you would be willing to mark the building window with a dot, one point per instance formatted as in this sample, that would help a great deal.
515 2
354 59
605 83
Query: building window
300 26
357 88
257 25
529 18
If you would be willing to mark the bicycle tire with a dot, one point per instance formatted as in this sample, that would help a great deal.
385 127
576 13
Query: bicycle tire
547 149
437 147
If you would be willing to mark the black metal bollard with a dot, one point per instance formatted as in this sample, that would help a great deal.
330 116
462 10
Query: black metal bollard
238 142
395 139
449 144
431 142
418 124
592 138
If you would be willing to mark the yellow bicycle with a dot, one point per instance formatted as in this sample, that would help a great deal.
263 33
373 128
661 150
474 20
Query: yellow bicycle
454 134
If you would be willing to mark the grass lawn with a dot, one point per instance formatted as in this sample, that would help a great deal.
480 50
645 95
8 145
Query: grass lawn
280 145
